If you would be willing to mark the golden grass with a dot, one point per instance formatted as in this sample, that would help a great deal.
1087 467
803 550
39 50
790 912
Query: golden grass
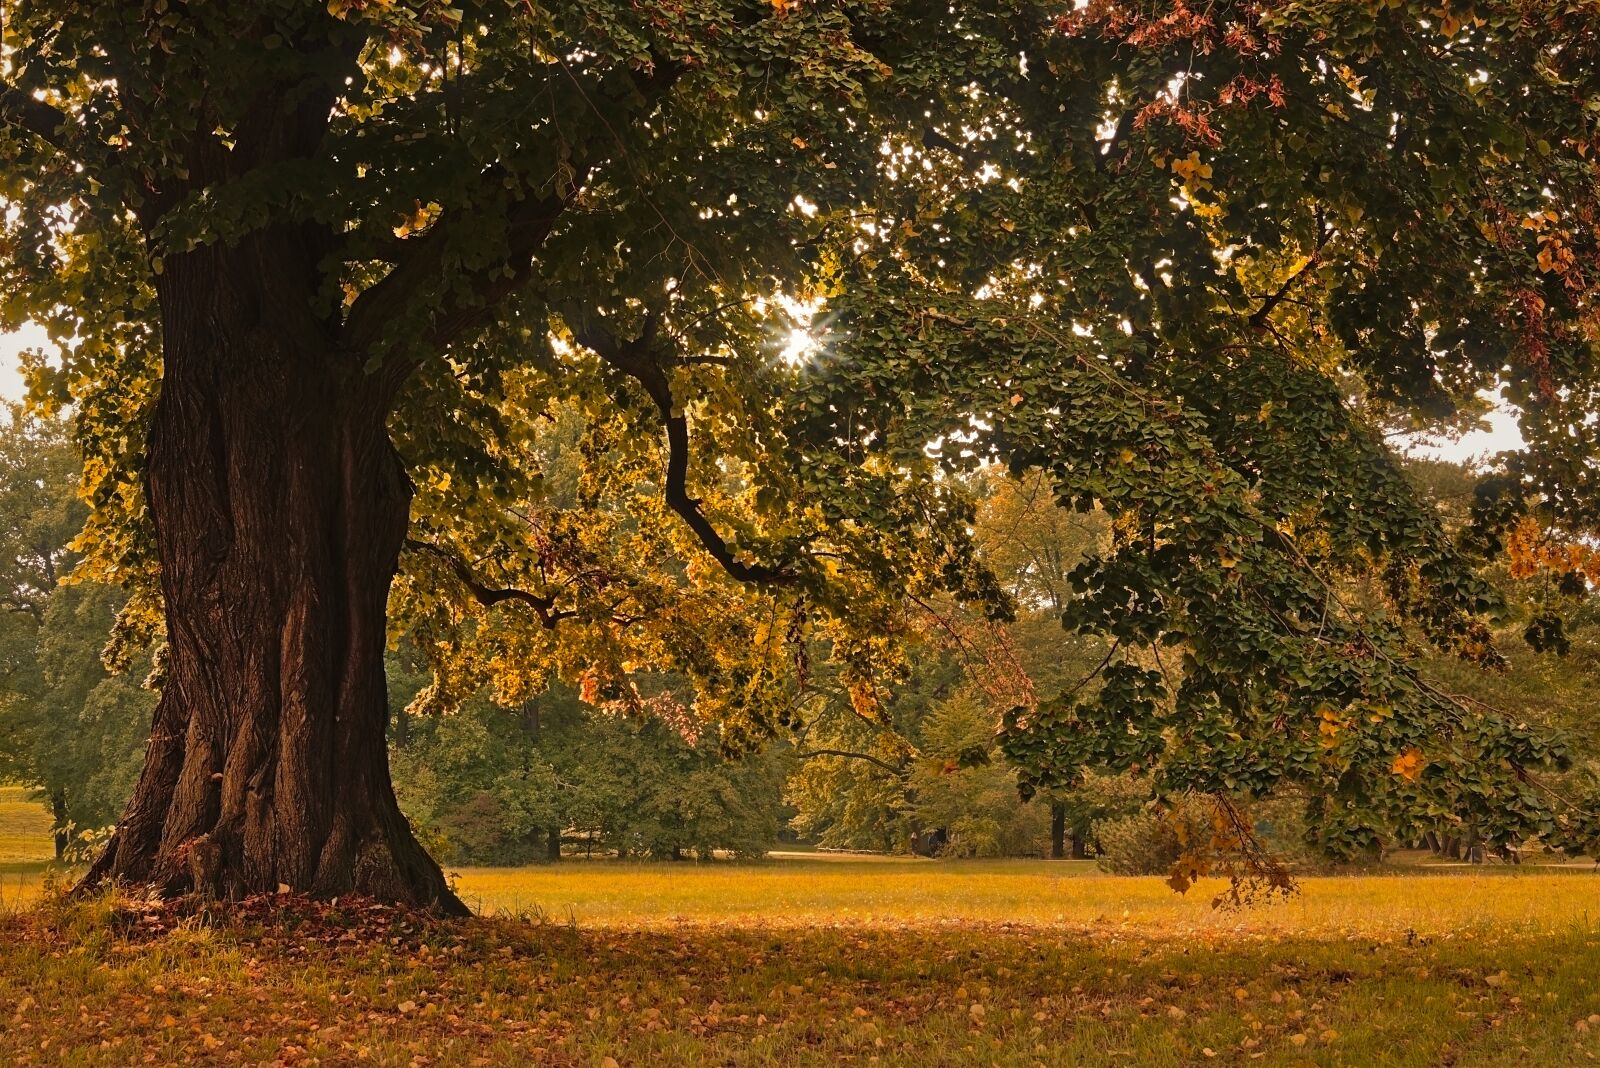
25 847
802 889
1071 896
24 828
1036 893
821 961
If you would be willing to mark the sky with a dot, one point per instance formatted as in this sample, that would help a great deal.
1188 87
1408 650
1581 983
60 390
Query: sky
10 346
1501 433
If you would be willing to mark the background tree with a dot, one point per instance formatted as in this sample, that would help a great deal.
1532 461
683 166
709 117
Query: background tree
487 785
851 788
960 788
1547 630
927 773
37 520
70 728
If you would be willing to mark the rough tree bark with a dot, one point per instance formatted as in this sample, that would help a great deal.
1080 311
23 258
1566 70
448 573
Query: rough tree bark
1058 830
279 507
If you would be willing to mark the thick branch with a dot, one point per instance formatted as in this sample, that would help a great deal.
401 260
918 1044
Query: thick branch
424 272
28 607
427 273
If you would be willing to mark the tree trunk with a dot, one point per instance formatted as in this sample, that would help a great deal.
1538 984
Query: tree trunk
402 728
1080 846
63 832
1058 830
279 508
553 844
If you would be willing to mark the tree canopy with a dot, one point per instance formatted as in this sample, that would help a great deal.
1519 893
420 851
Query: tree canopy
321 277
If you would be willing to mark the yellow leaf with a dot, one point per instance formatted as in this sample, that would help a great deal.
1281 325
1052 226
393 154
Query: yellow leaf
415 220
1409 765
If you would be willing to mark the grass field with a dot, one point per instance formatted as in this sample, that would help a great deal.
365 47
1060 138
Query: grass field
24 829
25 845
822 962
1073 895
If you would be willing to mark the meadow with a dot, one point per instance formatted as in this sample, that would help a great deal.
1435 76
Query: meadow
813 961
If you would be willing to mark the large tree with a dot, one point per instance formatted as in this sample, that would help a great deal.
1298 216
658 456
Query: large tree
303 262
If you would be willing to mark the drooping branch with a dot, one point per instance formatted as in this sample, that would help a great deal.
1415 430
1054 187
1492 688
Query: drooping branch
638 360
489 596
